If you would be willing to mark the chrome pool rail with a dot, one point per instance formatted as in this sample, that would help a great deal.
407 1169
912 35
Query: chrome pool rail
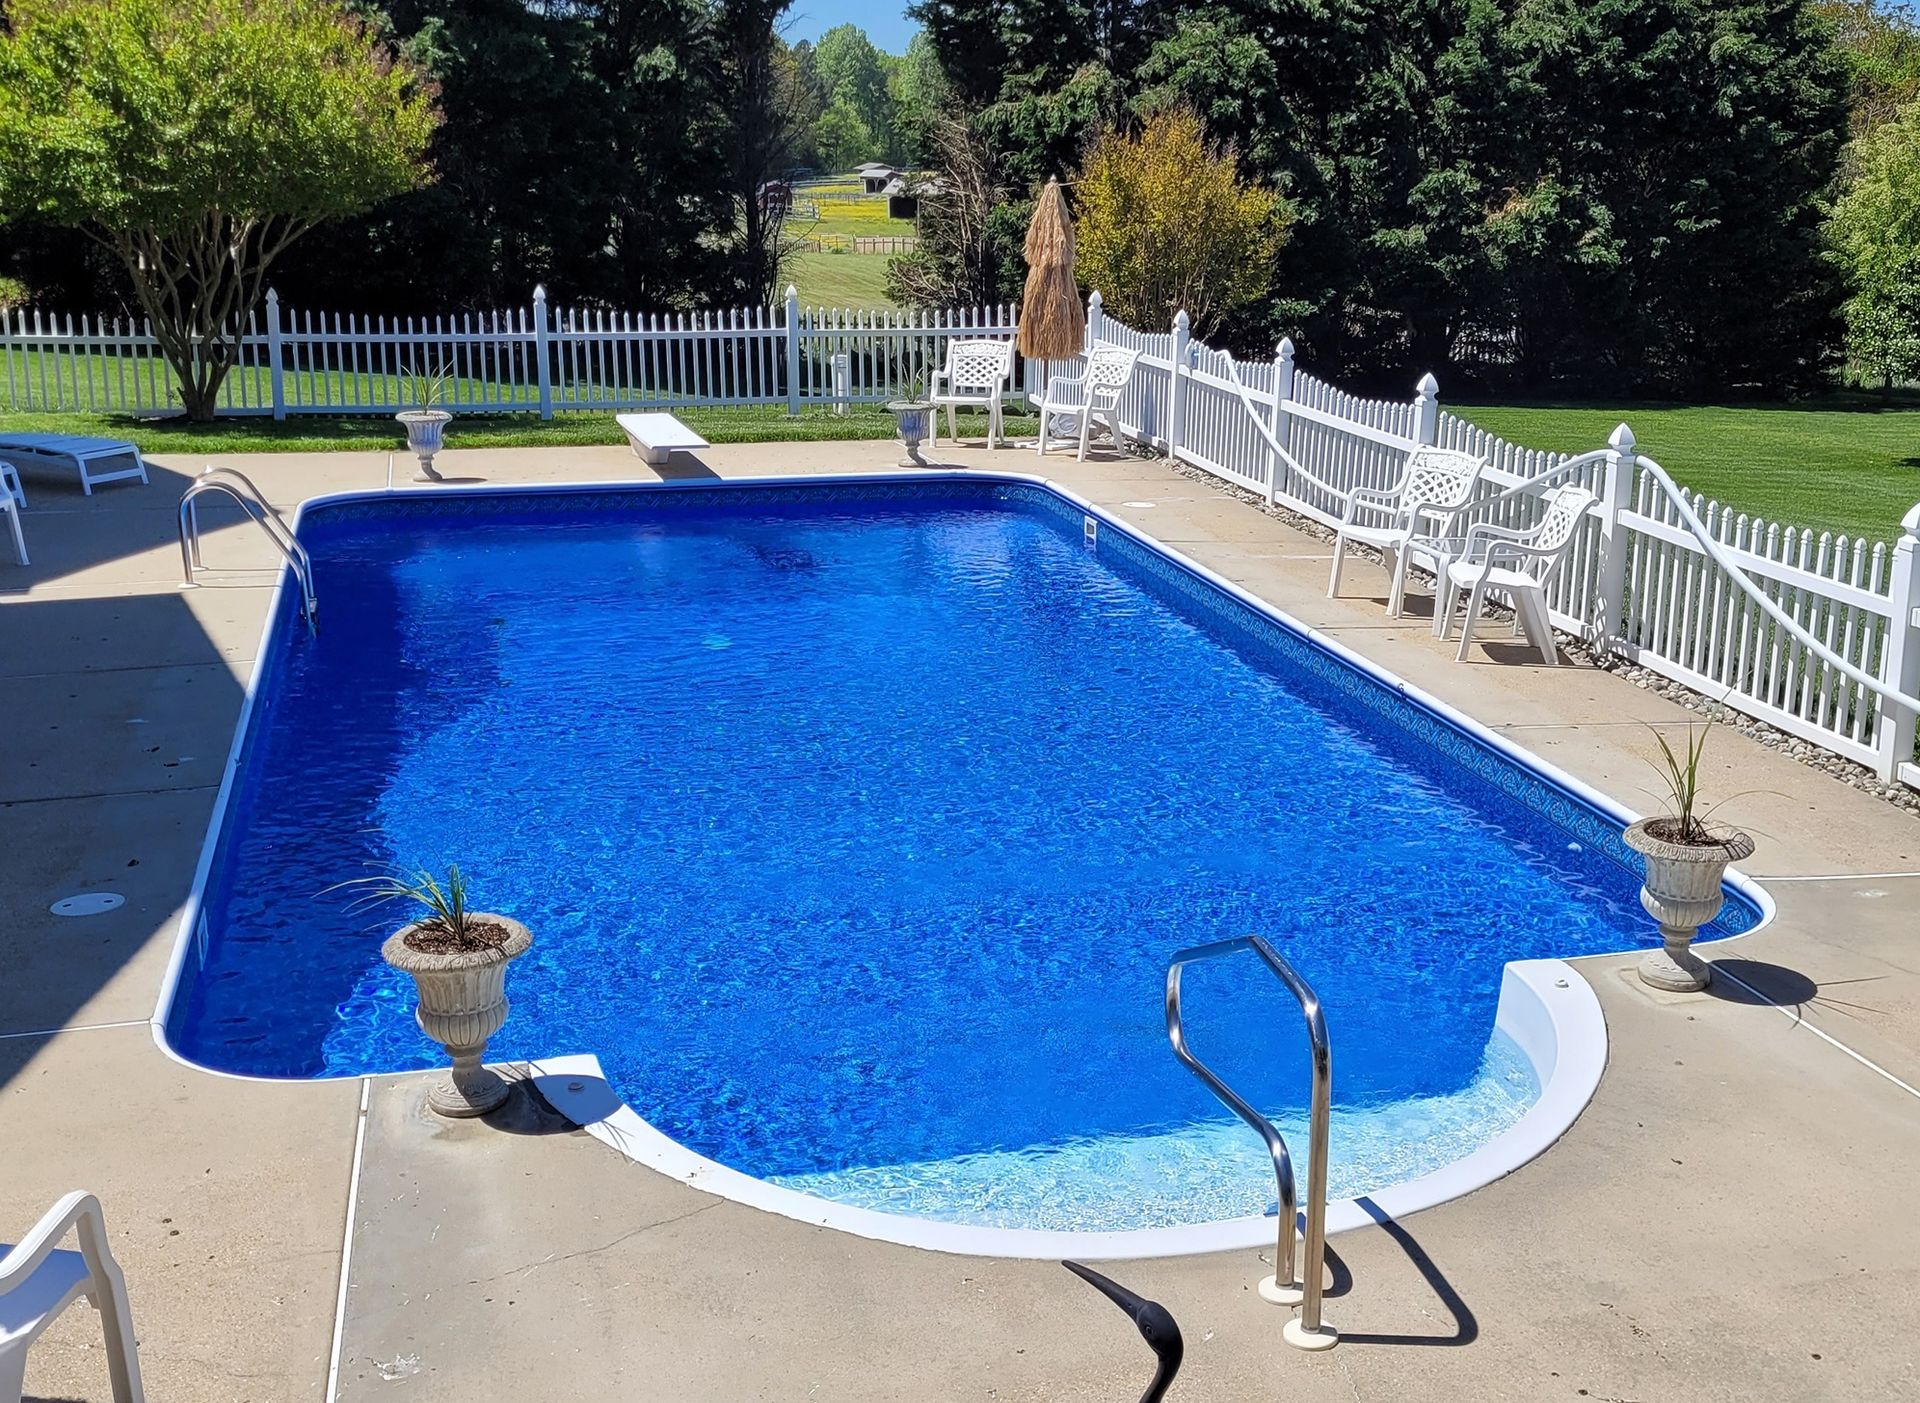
1286 1286
240 488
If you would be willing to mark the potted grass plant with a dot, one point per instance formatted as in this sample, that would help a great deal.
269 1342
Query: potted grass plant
426 423
458 958
912 418
1686 857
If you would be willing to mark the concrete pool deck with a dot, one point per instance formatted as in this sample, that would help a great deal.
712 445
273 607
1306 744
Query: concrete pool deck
1727 1220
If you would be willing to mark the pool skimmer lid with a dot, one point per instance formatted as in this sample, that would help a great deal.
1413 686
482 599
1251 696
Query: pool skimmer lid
88 903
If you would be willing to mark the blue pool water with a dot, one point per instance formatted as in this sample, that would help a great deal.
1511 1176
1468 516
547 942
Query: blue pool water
856 827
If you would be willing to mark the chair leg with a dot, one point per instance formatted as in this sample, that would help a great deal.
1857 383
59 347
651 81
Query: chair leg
1446 595
993 425
953 425
1086 428
1539 626
13 1371
19 538
1339 560
1474 601
1397 591
1041 447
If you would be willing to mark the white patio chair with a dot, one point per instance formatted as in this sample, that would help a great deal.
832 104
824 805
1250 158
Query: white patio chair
13 497
1435 484
79 451
1091 394
39 1280
978 374
1518 564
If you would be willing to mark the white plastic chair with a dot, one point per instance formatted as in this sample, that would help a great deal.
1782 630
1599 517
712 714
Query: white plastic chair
1433 487
1518 564
978 374
13 497
39 1280
1091 394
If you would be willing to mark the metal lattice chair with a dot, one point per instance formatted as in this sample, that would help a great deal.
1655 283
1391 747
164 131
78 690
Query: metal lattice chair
1093 393
978 375
1435 484
1518 564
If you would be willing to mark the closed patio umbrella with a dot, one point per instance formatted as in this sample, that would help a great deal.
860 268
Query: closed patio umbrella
1052 325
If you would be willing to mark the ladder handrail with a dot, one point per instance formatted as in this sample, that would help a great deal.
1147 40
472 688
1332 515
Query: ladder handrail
1309 1278
238 486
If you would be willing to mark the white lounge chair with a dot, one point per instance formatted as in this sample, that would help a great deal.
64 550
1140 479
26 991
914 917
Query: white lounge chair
13 497
1518 564
38 1280
1090 395
978 374
75 450
1435 484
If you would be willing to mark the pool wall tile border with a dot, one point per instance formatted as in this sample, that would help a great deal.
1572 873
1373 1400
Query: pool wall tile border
1545 1006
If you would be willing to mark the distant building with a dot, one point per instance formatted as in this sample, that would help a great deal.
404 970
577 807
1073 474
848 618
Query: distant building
776 197
875 177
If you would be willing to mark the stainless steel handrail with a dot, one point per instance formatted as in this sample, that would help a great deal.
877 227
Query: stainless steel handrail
240 488
1286 1287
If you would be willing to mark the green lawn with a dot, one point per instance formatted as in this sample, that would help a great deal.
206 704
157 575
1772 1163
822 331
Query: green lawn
312 433
1847 463
840 279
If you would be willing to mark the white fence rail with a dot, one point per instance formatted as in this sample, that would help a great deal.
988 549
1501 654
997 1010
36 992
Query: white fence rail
537 358
1834 661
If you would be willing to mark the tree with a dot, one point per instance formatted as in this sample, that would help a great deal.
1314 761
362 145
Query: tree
754 137
197 139
962 257
1165 224
1881 44
853 75
1875 236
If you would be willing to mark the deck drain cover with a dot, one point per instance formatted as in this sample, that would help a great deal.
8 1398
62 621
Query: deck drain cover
88 903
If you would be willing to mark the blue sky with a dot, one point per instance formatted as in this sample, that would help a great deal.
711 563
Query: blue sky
884 21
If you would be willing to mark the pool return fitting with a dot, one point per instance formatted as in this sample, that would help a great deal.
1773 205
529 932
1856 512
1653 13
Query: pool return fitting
1286 1287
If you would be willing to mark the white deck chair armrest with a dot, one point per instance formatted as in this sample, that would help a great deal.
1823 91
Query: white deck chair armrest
1487 532
1379 504
78 1209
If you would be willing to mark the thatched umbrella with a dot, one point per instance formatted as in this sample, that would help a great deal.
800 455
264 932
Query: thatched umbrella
1052 325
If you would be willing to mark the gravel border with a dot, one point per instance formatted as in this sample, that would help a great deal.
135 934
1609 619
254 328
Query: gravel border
1895 795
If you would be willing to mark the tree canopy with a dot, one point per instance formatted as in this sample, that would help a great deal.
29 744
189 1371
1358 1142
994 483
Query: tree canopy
197 139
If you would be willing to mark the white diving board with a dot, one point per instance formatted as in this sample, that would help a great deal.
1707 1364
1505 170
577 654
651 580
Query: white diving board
655 437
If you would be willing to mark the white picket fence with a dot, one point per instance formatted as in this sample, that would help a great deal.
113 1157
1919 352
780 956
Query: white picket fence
1835 660
537 358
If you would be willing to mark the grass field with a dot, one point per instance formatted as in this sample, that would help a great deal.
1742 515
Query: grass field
840 279
1847 464
317 433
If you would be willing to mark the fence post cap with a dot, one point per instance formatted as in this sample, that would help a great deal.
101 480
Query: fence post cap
539 292
1621 439
1428 386
1181 319
793 292
1285 349
273 298
1094 299
1910 523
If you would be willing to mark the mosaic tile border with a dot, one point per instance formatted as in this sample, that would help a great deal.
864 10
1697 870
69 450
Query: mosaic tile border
1170 580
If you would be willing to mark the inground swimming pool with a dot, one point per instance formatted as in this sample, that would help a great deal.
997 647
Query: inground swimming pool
856 822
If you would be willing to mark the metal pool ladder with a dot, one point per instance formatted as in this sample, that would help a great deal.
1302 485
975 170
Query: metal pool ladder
1286 1286
240 488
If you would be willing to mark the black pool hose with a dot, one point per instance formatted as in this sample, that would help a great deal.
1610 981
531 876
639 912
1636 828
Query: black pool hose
1155 1323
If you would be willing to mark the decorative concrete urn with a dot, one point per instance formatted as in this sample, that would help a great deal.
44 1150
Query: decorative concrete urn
1682 892
463 1002
913 418
424 429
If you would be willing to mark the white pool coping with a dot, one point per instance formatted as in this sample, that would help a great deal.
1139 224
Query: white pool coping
1545 1006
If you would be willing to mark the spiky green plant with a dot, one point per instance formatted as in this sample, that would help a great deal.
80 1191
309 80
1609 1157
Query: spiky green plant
1680 772
443 907
426 387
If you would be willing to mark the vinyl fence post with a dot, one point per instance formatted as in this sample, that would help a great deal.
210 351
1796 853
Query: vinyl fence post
793 351
1616 496
542 357
1096 314
1900 659
1426 411
276 372
1281 422
1177 408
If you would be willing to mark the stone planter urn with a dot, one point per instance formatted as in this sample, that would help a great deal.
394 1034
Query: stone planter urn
1682 892
463 1003
424 429
912 418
